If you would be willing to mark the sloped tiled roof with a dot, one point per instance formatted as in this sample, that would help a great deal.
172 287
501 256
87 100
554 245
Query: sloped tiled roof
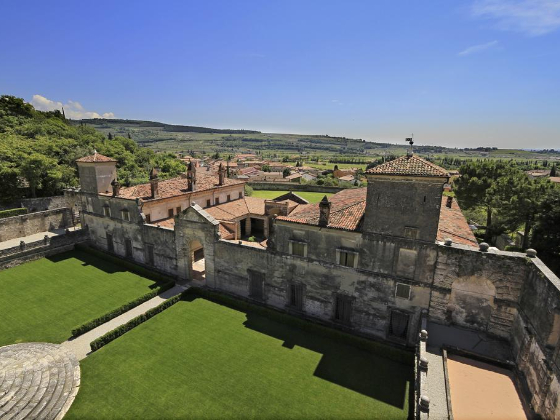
453 225
409 166
96 157
347 211
237 208
205 180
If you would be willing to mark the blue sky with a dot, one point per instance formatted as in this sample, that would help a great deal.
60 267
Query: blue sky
455 73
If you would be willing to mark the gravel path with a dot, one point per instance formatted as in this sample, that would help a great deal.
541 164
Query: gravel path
80 345
436 384
34 238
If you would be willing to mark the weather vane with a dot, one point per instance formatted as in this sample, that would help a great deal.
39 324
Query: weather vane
411 142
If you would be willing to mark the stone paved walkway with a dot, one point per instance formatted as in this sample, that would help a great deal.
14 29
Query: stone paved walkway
37 381
10 243
436 384
80 345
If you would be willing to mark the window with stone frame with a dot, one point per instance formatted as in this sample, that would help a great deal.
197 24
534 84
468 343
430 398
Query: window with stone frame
148 218
411 232
125 215
150 260
208 203
402 291
398 324
170 212
128 248
106 211
295 296
298 248
343 309
256 285
217 200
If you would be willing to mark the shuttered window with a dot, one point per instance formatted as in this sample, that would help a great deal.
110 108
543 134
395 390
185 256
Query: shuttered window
295 296
126 215
298 248
343 309
402 291
347 258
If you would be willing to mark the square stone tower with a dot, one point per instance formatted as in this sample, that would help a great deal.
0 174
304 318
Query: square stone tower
96 173
404 198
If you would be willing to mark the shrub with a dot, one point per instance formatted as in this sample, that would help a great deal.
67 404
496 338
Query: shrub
252 239
94 323
134 322
248 190
12 212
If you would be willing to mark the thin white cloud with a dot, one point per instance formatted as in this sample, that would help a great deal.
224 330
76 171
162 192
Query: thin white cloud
475 49
531 17
72 109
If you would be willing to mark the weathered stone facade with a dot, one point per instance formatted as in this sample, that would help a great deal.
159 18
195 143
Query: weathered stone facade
32 223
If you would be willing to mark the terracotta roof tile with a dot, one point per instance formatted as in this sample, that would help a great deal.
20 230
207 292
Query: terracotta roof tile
409 165
96 157
237 208
453 225
205 180
347 210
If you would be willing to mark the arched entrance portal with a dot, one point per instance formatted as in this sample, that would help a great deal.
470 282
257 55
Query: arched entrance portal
198 266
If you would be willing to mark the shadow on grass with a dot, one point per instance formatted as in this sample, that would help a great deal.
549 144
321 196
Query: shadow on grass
342 364
88 259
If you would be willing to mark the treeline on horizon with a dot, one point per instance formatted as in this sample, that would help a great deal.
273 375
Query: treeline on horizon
38 151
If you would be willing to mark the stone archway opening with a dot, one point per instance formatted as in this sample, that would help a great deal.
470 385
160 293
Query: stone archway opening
198 264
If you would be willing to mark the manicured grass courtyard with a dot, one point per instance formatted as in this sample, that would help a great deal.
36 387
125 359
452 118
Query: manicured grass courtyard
44 299
200 359
312 197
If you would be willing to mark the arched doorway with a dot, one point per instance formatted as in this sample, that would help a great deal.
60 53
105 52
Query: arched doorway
198 264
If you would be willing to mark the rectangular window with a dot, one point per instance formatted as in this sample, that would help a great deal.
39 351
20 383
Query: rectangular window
178 210
411 232
128 248
150 254
107 211
170 212
217 201
240 194
229 197
126 215
208 203
347 258
110 245
295 296
148 218
256 285
298 248
398 326
402 291
343 309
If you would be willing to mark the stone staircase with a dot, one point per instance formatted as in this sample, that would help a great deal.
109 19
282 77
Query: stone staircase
37 381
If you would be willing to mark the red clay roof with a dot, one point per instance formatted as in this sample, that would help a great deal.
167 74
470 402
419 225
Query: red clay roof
409 165
237 208
453 225
96 157
205 180
347 210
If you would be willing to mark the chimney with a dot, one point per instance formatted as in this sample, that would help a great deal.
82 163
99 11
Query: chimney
324 211
191 176
449 202
221 174
154 182
116 187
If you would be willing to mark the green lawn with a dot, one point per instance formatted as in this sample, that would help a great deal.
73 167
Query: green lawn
200 359
312 197
44 299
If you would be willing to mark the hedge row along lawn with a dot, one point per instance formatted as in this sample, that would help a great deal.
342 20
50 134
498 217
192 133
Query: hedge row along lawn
44 299
200 359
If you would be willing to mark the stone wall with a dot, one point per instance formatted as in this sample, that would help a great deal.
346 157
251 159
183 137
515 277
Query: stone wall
29 224
292 187
48 203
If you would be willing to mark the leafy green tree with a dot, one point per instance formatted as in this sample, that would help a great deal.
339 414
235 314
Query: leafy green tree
546 233
553 170
286 172
39 169
265 168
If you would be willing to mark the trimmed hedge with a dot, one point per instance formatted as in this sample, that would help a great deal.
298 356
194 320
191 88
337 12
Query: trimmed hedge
94 323
12 212
385 350
135 268
117 332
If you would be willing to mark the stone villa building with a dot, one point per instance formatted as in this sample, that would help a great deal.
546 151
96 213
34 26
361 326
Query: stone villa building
377 261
